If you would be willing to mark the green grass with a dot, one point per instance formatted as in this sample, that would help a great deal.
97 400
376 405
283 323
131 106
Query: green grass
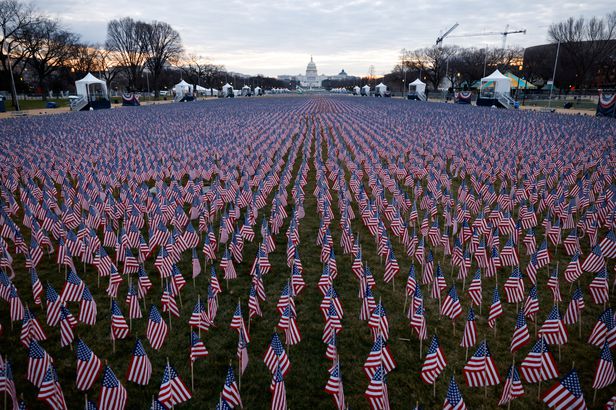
308 373
34 104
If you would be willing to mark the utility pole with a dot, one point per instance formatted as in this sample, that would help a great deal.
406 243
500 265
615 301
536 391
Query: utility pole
554 75
13 88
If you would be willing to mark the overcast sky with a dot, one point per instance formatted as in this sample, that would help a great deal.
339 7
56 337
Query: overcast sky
278 37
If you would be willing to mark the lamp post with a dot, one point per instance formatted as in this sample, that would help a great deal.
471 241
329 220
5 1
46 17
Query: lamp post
13 88
554 75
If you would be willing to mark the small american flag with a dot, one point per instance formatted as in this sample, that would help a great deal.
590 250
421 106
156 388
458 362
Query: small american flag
230 391
172 389
453 400
88 366
139 369
113 395
566 394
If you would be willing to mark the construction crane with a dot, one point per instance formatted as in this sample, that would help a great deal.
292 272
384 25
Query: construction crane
439 39
493 33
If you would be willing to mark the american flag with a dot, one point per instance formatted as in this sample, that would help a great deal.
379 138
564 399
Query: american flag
7 383
380 356
139 369
595 261
279 393
53 305
520 334
531 305
553 329
199 318
132 300
242 352
453 400
604 329
230 391
434 362
513 387
576 305
376 393
275 356
113 395
172 389
474 290
73 287
514 286
119 327
334 386
88 366
469 338
539 364
157 329
599 288
237 322
566 394
197 348
496 309
38 363
451 305
30 329
481 369
605 374
50 391
87 308
37 287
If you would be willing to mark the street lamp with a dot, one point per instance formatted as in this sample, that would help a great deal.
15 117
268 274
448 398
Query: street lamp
14 89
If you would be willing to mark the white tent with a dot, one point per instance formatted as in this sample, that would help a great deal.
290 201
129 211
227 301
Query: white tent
246 90
356 90
91 88
417 86
366 89
183 88
227 89
257 90
494 84
380 89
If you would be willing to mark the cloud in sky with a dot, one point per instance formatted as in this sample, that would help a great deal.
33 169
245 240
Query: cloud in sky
278 37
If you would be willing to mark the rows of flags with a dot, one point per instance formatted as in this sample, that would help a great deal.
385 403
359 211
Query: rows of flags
470 201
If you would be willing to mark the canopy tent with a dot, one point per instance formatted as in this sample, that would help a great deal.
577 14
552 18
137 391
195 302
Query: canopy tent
520 83
356 90
495 84
380 89
365 90
92 88
182 88
417 86
227 90
246 91
258 90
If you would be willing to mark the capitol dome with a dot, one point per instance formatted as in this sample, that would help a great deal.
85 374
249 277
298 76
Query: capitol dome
311 65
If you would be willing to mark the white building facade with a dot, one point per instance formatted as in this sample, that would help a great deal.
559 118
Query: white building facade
312 79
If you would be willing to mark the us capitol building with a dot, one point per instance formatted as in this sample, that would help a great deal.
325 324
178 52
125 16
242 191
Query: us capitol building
312 79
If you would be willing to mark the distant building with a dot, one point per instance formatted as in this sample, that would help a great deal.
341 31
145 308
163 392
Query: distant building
312 79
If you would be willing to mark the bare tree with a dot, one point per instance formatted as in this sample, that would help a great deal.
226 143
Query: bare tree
433 62
125 38
107 64
201 70
587 43
164 46
14 18
86 59
48 47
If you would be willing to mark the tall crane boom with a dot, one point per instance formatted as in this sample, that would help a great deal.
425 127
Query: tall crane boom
493 33
439 39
